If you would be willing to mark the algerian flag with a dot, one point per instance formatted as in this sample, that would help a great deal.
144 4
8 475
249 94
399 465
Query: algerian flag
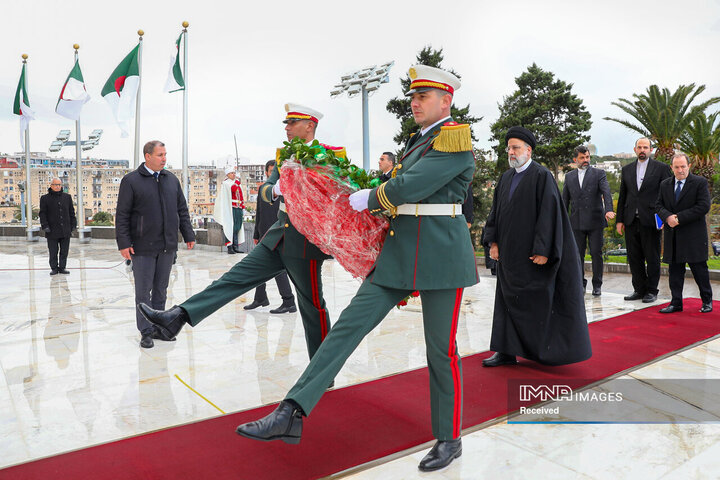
21 107
175 81
121 89
73 95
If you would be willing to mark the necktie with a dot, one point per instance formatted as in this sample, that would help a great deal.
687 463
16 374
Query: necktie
156 174
678 189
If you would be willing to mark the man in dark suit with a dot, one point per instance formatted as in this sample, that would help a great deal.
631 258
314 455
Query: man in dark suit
683 203
57 219
386 164
265 216
639 186
586 195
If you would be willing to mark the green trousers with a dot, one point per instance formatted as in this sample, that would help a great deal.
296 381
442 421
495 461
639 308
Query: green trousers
259 266
366 310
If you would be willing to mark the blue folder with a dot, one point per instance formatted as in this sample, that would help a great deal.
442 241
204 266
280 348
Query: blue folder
658 222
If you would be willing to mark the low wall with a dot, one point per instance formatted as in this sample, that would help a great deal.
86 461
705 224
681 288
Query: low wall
211 237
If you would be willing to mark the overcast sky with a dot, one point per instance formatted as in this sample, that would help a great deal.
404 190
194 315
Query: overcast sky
247 59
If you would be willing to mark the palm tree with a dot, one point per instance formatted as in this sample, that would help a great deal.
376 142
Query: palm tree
701 142
663 116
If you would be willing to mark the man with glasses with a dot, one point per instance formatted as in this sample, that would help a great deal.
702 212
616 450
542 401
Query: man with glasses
281 249
539 307
427 248
57 219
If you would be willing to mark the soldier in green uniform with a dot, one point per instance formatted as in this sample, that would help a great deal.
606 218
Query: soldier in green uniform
282 248
427 248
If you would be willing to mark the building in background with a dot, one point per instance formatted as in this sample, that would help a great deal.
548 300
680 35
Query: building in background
101 183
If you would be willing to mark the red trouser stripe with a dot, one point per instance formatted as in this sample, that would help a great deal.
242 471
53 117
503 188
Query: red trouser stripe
454 360
316 298
417 250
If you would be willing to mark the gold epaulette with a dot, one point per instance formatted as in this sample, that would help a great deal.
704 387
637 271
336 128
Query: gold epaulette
340 153
277 155
453 137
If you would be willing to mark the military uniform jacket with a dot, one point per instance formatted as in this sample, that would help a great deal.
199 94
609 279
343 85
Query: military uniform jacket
426 252
282 234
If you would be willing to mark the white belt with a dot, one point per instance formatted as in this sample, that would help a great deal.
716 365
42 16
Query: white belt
417 209
430 209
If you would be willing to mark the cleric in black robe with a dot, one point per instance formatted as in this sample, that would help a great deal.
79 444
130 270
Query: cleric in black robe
539 306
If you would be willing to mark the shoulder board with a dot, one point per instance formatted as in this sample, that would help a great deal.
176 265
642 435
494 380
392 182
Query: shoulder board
338 151
453 137
277 155
412 134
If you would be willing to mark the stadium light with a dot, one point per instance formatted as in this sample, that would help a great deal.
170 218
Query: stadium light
364 81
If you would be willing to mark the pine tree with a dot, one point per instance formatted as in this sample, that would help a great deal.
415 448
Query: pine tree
548 108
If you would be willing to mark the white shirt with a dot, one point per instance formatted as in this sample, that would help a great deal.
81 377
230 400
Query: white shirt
640 172
152 172
423 131
524 166
581 175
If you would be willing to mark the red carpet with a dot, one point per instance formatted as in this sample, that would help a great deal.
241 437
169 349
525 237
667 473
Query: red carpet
356 424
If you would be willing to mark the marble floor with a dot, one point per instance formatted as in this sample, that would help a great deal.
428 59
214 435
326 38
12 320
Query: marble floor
72 373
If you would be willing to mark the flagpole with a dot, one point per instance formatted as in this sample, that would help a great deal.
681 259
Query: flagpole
78 174
186 178
28 183
137 102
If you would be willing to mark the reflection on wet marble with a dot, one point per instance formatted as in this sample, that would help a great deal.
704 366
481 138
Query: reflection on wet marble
73 374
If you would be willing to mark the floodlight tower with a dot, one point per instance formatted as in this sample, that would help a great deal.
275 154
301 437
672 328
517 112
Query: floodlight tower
363 81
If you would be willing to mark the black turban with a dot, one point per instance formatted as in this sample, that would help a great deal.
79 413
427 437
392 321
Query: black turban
523 134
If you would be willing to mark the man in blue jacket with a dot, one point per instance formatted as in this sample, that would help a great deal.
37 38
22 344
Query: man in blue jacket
151 208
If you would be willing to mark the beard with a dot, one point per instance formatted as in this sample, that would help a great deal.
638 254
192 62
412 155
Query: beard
642 156
584 166
517 160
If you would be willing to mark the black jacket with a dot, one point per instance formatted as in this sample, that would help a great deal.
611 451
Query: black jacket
630 199
265 216
57 214
589 204
689 239
149 213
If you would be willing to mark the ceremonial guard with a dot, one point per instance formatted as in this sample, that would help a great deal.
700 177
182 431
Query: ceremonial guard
427 248
229 206
282 248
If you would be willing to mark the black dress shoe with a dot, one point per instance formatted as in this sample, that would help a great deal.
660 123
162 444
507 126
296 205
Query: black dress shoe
64 271
633 296
596 292
237 249
146 341
499 359
53 272
157 335
230 250
649 298
284 423
441 455
285 309
167 322
671 309
255 305
706 308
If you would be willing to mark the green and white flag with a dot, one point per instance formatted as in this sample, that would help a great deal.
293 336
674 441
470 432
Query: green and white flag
175 80
21 107
73 95
121 89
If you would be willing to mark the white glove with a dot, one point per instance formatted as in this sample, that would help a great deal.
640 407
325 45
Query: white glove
359 200
276 189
